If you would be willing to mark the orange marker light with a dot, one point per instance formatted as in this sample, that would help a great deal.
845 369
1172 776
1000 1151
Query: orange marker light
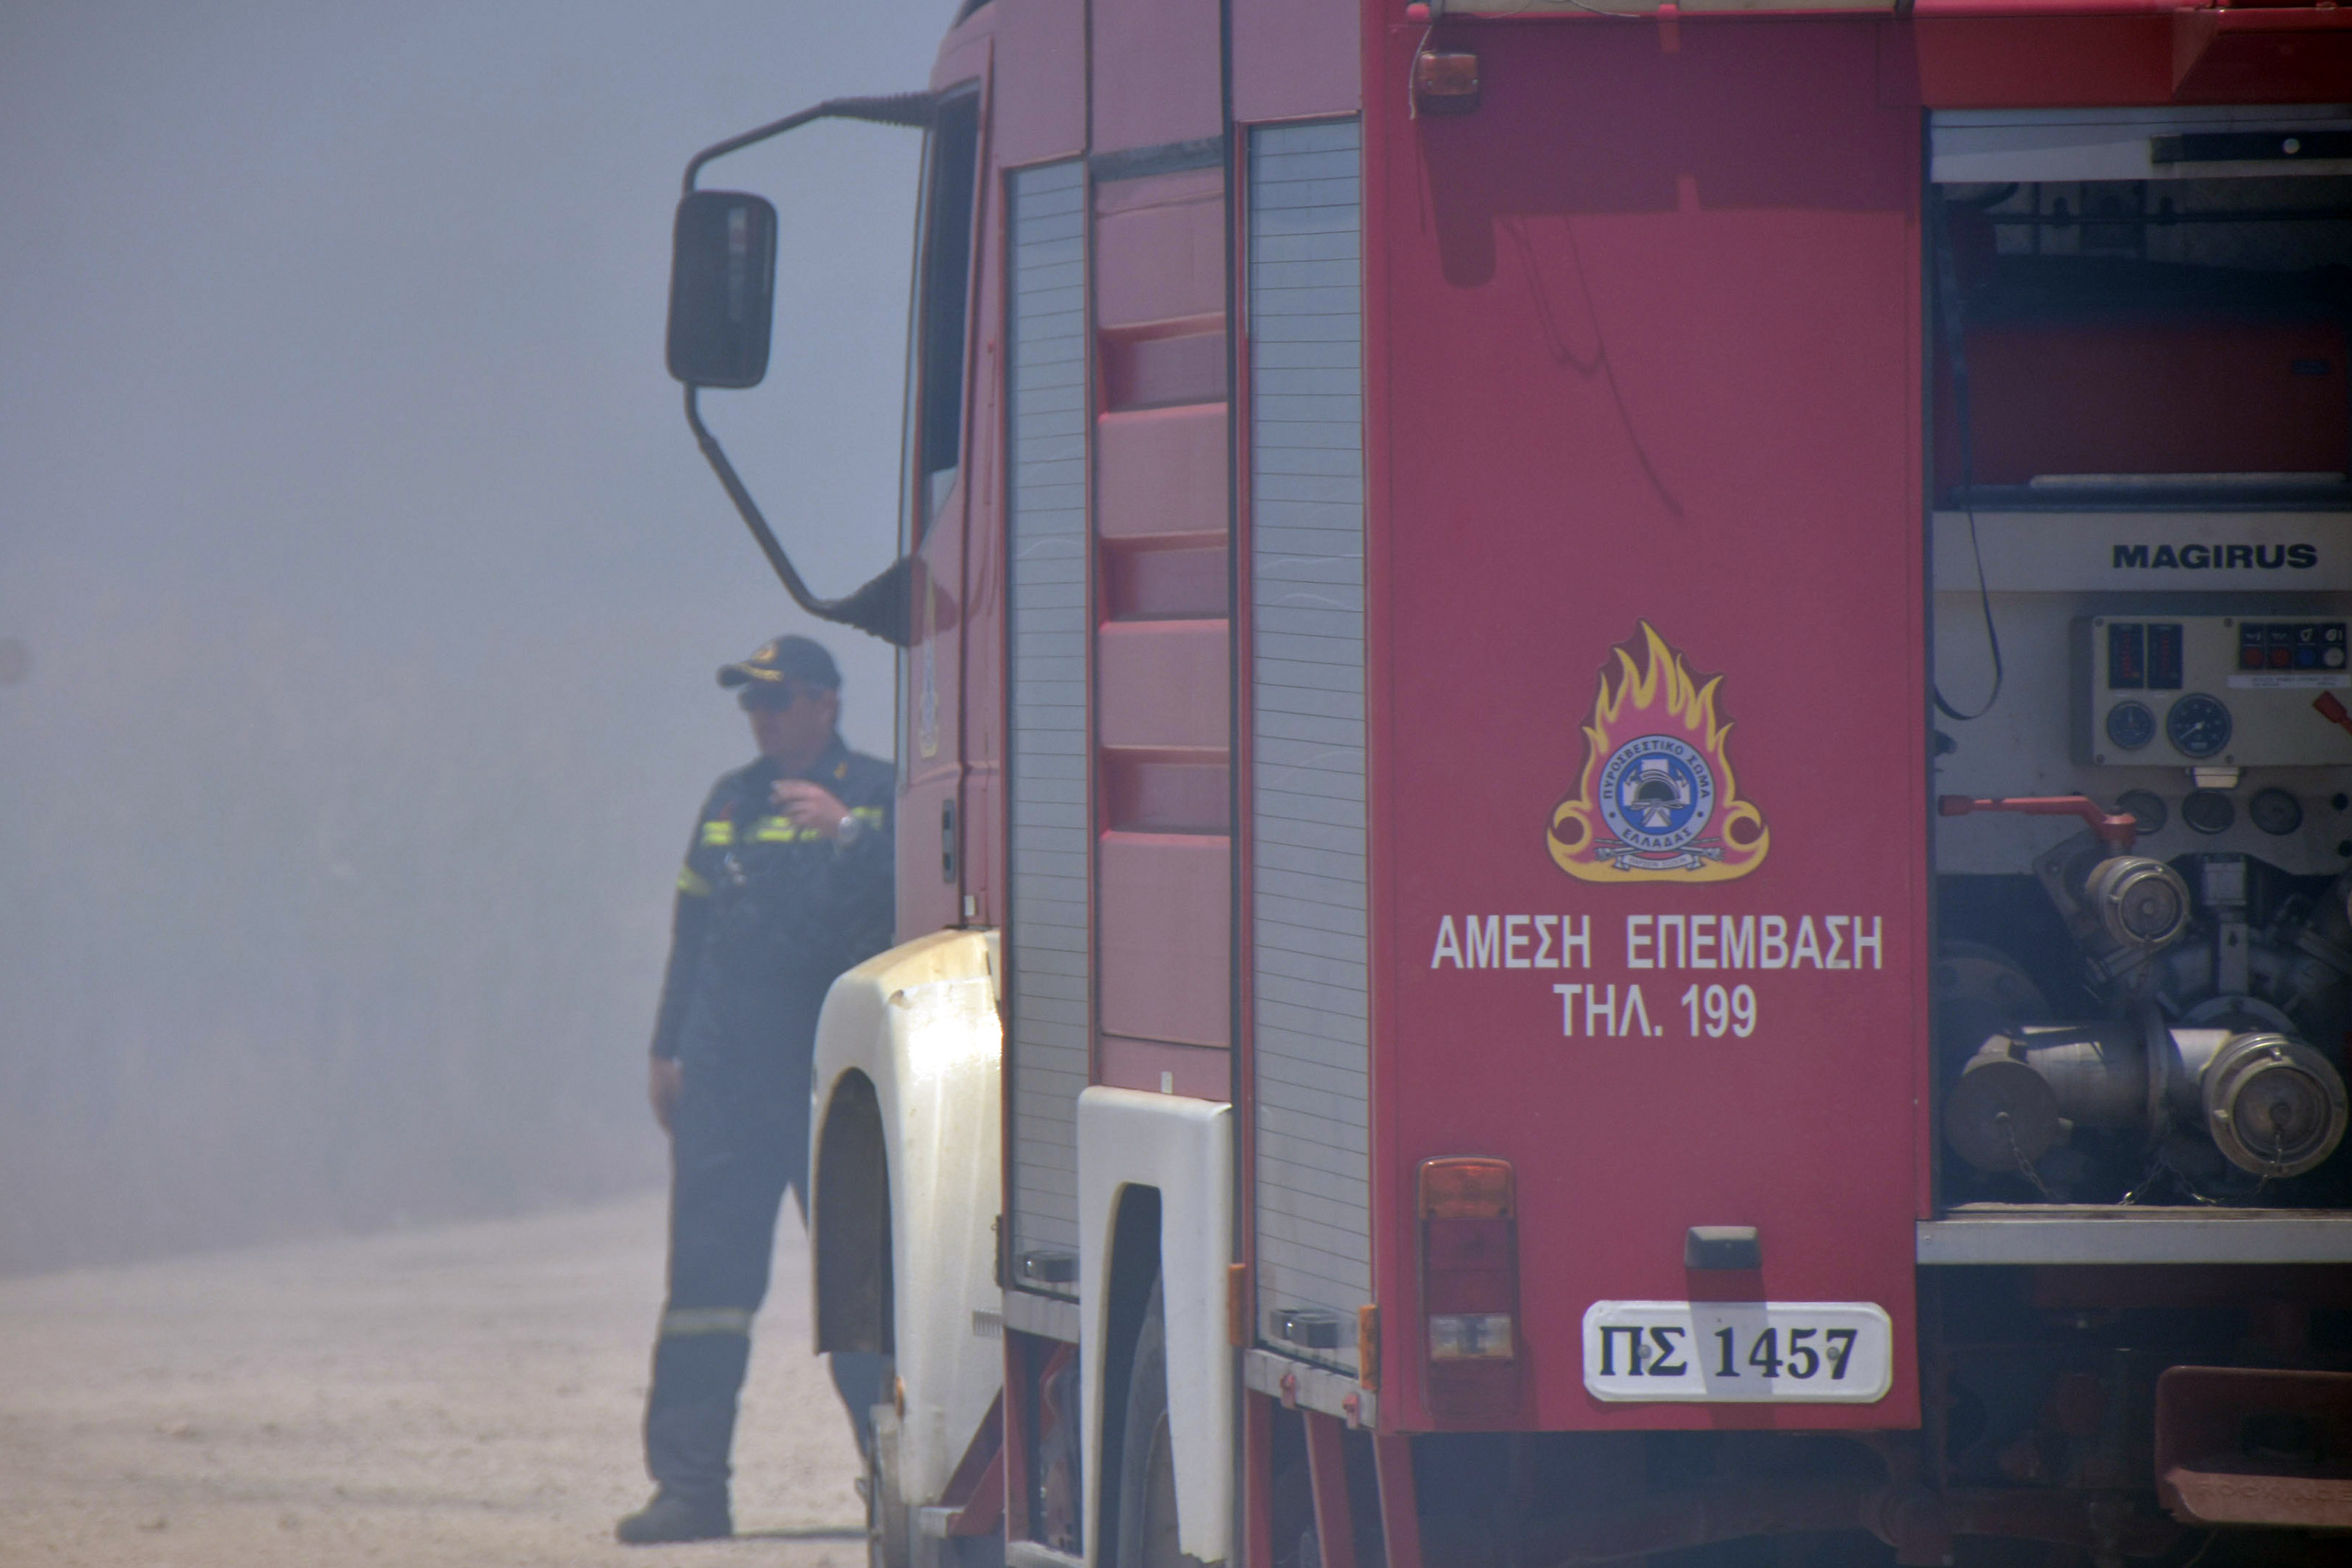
1444 81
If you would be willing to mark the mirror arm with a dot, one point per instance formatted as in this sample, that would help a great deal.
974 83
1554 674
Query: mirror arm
878 608
913 109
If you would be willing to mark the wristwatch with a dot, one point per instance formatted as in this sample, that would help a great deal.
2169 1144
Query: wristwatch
848 830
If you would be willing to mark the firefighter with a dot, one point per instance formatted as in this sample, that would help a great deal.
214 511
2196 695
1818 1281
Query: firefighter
787 883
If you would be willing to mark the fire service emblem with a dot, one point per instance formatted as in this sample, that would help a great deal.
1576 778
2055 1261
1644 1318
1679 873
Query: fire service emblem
1656 801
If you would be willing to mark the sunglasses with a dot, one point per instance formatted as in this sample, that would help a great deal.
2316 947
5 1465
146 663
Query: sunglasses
770 699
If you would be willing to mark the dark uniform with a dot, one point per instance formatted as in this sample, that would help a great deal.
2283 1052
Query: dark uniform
768 913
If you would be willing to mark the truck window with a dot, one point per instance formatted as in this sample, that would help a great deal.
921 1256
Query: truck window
943 291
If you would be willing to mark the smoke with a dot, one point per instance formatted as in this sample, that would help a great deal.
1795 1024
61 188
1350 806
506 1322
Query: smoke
361 588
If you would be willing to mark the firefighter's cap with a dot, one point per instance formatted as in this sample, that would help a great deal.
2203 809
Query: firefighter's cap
782 660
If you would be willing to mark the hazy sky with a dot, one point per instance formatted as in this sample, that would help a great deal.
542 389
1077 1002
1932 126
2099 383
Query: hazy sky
356 311
339 469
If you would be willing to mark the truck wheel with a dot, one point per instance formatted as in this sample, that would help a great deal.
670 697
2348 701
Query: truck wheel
1147 1463
888 1541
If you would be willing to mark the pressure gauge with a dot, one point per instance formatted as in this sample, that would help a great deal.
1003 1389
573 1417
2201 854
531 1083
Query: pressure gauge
2198 725
2275 811
2146 808
2130 725
2209 811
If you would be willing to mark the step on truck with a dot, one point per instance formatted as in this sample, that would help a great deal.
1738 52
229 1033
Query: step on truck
1625 765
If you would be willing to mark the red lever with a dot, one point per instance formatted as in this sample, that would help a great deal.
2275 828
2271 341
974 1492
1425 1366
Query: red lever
2120 831
2331 709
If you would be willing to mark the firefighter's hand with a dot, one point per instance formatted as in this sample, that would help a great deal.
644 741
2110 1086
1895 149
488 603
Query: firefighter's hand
810 806
661 1088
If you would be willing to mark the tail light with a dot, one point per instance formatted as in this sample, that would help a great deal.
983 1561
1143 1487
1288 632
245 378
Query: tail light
1469 1286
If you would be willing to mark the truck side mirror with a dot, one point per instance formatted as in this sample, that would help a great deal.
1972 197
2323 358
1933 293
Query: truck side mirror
722 288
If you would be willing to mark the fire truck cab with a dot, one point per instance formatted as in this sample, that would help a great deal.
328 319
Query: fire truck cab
1637 723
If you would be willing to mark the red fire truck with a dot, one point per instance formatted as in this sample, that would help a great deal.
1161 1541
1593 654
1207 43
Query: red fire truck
1626 792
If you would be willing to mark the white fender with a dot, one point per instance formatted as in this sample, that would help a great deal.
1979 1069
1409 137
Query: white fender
920 1021
1184 1147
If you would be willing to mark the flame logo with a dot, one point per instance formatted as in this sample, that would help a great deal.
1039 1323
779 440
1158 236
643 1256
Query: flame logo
1656 801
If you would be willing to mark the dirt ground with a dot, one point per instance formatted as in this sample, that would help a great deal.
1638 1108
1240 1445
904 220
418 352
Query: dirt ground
463 1396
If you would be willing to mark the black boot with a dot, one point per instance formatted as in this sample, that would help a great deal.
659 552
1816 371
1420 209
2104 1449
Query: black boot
689 1428
676 1516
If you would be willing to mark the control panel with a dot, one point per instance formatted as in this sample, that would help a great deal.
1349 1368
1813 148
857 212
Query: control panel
2212 692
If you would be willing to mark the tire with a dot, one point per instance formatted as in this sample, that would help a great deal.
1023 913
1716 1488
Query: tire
1147 1465
888 1540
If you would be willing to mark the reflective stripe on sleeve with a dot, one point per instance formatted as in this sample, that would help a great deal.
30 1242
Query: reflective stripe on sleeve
718 834
781 830
683 1323
691 883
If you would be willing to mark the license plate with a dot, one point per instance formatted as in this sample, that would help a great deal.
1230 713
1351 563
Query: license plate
1737 1351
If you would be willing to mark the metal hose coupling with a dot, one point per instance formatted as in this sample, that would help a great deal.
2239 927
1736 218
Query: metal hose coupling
2274 1106
2141 904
